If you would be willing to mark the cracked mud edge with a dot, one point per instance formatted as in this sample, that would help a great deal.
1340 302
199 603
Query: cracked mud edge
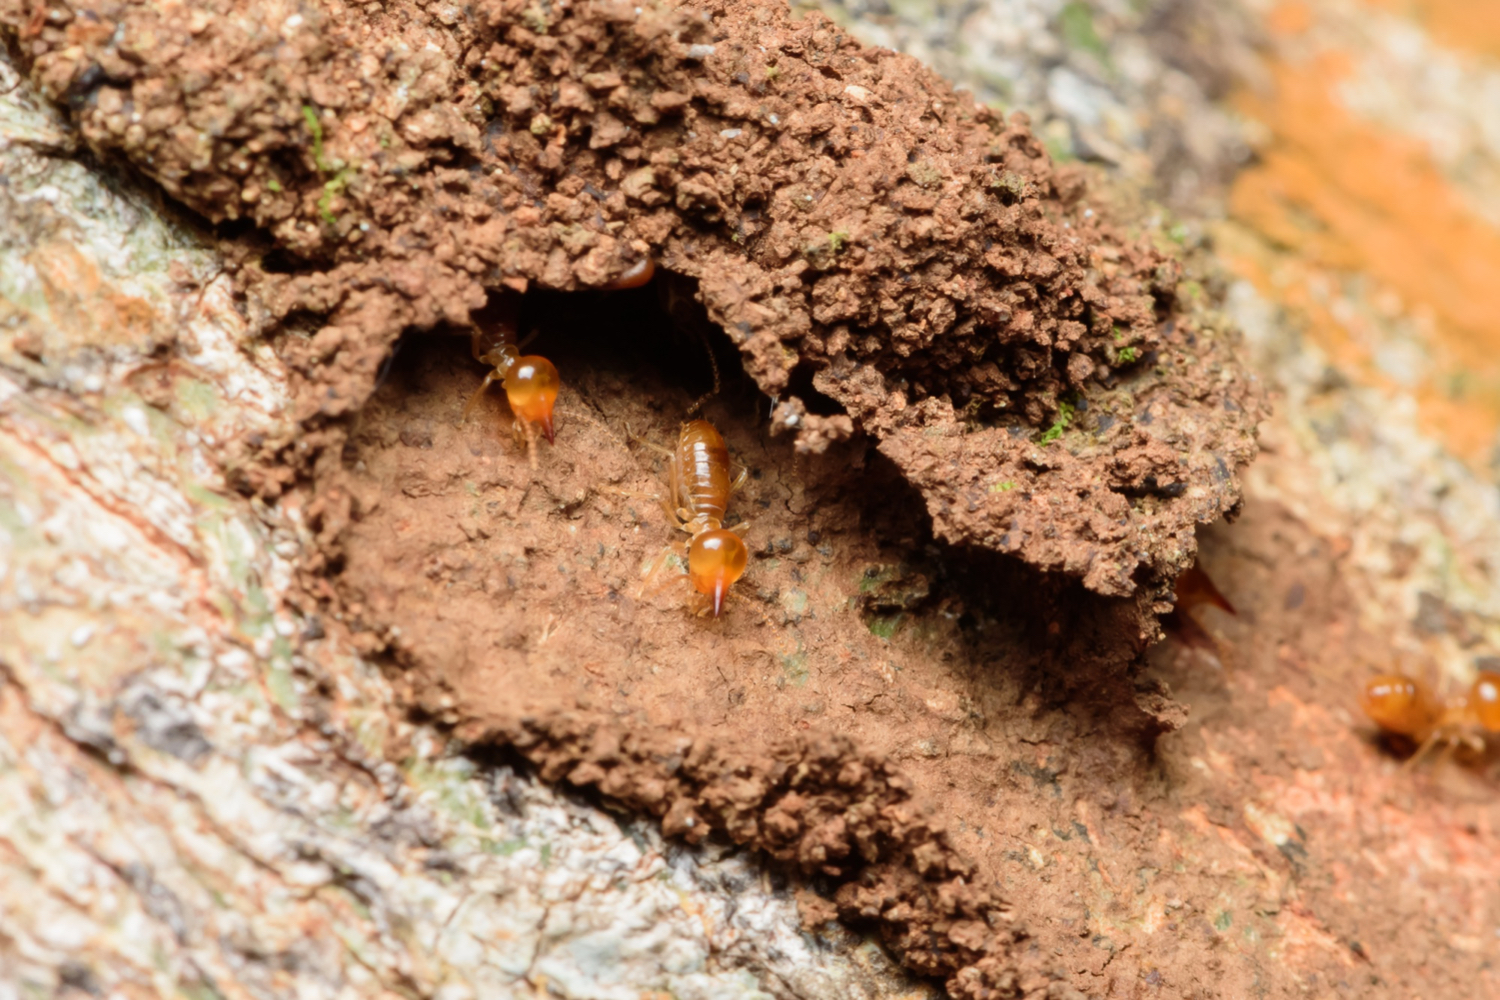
823 808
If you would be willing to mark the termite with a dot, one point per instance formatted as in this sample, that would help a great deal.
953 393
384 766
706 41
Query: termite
699 474
636 275
531 382
701 482
1405 707
1194 589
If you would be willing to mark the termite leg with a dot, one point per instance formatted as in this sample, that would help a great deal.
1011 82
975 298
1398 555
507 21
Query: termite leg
631 435
674 481
528 433
1450 746
1422 751
654 574
653 497
489 379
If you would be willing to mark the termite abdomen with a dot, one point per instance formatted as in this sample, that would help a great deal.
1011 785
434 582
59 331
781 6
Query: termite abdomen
703 464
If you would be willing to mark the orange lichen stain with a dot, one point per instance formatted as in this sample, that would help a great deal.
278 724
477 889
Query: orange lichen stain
1335 198
1289 19
80 298
1465 25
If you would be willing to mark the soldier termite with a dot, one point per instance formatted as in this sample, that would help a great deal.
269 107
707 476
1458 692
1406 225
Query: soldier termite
531 382
701 479
701 482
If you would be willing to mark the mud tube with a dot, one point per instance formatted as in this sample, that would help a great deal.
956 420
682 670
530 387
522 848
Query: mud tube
891 262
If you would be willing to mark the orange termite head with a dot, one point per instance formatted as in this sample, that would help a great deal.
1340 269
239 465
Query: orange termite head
1399 705
1484 700
716 558
1194 588
531 386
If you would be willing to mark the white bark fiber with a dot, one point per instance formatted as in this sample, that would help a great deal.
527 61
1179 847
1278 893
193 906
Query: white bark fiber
199 795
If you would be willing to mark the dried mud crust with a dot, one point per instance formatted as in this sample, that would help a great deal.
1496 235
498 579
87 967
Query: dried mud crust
514 603
820 805
858 229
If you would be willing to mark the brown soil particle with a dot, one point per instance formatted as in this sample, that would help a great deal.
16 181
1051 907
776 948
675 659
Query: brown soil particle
857 227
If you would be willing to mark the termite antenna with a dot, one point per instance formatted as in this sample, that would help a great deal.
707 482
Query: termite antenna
581 412
713 363
385 367
530 432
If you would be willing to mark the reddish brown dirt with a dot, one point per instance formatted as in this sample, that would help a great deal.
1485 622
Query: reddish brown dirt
516 600
856 227
990 714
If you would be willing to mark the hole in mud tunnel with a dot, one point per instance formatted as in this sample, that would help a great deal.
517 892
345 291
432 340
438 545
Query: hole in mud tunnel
280 261
499 587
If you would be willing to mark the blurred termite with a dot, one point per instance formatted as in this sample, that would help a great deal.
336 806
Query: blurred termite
1404 706
531 382
636 275
1194 590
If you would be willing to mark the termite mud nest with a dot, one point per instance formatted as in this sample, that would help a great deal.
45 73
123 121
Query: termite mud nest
512 601
852 223
490 540
890 261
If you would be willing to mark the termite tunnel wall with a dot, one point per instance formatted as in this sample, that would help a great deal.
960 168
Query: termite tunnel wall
493 578
1005 411
541 608
1023 361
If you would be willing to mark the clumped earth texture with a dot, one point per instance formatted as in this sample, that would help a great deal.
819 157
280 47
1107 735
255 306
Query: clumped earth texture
875 239
982 413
